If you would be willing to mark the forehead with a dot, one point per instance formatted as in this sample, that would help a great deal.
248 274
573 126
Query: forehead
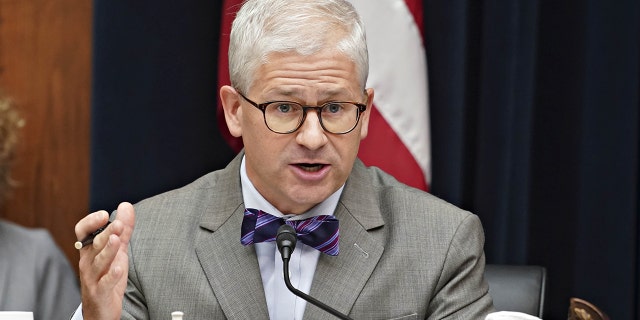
327 72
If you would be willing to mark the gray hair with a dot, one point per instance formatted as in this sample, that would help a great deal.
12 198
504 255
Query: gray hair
262 27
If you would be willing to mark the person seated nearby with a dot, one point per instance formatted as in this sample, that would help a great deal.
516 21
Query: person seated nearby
34 273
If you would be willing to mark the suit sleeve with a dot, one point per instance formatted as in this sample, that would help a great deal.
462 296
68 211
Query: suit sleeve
462 292
134 305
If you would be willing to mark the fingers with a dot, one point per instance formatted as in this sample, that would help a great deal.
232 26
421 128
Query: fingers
104 260
122 226
104 264
96 259
107 243
116 273
91 223
126 215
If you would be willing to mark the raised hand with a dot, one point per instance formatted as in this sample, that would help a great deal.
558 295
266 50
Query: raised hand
104 264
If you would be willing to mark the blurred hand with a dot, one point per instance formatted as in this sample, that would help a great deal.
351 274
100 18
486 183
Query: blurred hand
104 265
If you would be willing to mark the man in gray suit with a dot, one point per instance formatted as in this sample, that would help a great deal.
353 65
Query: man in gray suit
298 100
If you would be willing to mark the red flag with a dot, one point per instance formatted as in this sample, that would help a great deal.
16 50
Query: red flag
398 140
229 9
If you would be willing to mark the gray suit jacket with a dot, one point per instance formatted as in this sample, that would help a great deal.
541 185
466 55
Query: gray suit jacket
403 253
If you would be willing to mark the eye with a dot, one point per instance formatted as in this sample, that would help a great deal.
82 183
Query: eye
284 107
333 107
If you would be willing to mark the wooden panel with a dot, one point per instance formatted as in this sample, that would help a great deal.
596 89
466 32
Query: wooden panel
45 64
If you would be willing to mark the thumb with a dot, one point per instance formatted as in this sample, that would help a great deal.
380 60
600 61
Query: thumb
126 214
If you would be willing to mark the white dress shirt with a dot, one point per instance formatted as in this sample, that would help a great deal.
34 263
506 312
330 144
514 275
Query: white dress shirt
281 303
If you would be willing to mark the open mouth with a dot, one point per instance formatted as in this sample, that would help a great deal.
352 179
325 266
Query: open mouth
310 167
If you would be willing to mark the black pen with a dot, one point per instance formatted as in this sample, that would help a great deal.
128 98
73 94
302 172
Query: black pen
89 239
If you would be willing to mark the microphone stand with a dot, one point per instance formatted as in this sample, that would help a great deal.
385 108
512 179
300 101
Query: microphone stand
286 240
307 297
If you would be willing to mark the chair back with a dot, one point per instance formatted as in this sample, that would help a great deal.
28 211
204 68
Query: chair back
517 288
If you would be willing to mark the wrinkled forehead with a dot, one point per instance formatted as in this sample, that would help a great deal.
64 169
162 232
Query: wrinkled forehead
327 72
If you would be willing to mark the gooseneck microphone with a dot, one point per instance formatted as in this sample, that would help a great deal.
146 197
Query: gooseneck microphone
286 241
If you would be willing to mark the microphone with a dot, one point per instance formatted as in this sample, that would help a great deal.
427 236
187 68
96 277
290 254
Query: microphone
286 239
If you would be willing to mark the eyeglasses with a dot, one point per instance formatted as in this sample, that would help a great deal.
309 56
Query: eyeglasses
337 117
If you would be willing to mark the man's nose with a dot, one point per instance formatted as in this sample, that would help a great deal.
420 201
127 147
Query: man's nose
311 134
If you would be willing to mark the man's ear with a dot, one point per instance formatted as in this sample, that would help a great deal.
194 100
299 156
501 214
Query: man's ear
364 117
232 111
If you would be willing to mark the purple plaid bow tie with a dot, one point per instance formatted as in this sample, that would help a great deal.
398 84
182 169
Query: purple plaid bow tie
319 232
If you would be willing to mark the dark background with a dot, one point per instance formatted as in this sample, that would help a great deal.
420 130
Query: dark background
534 111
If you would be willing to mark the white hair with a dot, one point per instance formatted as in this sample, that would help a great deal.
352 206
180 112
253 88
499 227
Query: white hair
262 27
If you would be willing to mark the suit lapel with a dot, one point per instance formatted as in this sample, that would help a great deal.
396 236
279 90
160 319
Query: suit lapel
339 280
231 268
233 272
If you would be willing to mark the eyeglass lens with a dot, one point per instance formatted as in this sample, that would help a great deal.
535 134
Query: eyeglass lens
335 117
